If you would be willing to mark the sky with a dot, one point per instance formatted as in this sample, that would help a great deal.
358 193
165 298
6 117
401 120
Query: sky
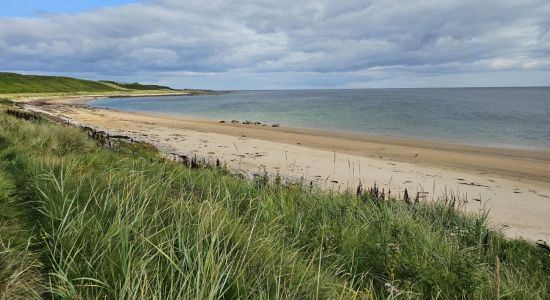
284 44
30 8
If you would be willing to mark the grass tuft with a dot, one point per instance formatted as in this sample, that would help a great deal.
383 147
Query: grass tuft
6 102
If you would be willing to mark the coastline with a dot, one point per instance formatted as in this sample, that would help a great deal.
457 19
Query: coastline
534 163
512 183
83 98
349 134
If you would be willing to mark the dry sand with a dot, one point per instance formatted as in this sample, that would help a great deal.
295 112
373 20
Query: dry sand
512 185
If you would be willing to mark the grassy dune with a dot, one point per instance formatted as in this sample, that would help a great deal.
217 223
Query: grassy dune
16 83
31 87
82 222
12 83
136 86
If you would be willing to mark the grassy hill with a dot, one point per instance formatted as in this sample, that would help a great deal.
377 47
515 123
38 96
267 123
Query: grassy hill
136 86
17 83
82 221
12 83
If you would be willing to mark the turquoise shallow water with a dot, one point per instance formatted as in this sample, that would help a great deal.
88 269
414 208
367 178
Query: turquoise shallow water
504 117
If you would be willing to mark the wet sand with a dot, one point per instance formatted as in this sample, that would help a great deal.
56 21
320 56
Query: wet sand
513 185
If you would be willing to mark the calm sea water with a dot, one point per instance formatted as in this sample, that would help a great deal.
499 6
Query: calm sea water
505 117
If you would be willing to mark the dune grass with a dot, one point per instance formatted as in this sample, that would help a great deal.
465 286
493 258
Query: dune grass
81 222
6 102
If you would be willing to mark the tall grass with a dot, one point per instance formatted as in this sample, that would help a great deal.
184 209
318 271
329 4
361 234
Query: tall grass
90 223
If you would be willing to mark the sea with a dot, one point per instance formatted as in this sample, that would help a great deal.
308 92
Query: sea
499 117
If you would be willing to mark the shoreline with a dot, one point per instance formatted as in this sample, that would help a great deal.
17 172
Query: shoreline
332 141
366 143
466 136
511 150
512 183
332 132
84 98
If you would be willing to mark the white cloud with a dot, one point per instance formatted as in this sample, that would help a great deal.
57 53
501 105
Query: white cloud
315 43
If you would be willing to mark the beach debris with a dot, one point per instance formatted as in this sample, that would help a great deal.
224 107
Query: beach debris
473 184
247 122
276 125
235 121
120 137
222 121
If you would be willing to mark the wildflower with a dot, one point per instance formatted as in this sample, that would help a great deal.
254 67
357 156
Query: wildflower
393 248
392 289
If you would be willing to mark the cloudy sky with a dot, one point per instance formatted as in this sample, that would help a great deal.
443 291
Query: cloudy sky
265 44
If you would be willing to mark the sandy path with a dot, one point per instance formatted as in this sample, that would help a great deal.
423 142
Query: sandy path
514 185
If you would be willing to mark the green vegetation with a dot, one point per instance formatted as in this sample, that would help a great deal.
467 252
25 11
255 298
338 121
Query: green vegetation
81 222
16 83
12 83
136 86
6 102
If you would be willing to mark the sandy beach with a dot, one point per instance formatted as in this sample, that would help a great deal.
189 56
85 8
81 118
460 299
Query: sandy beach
513 185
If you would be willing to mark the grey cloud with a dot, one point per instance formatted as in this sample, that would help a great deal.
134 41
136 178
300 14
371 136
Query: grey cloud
350 38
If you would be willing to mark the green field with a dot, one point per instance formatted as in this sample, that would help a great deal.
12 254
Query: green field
136 86
12 83
80 221
16 83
